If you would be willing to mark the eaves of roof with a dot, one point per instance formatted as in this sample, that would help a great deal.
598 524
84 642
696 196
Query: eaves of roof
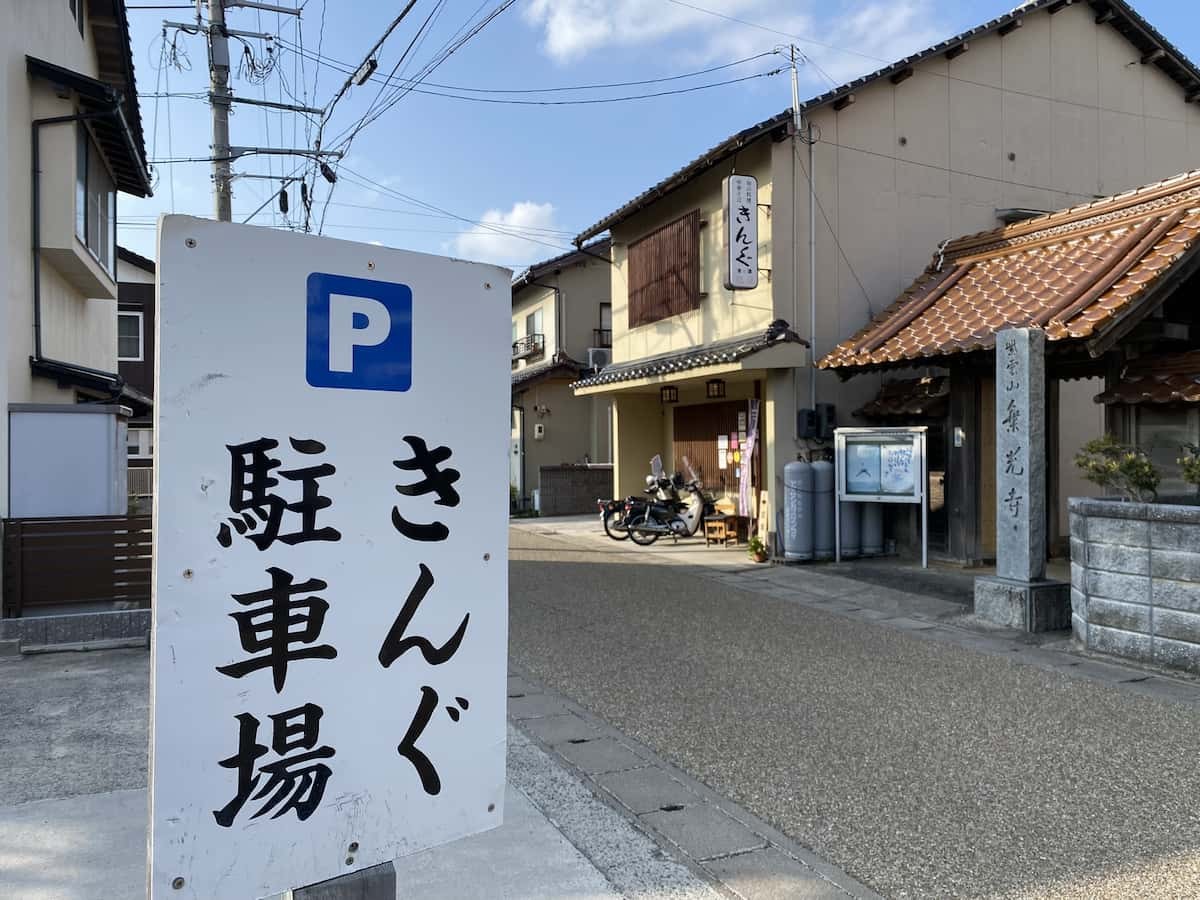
1157 380
110 383
1117 13
1082 275
136 259
106 107
109 21
715 354
596 249
562 367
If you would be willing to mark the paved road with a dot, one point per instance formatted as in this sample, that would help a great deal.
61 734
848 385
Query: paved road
923 769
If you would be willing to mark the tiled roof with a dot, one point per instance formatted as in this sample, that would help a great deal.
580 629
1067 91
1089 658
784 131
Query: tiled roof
714 354
562 365
1117 13
1073 273
1158 380
598 248
909 397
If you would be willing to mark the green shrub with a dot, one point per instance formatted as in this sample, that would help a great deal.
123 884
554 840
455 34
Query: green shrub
1118 467
1189 464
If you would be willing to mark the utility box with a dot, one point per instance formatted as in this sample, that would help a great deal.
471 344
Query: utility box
67 460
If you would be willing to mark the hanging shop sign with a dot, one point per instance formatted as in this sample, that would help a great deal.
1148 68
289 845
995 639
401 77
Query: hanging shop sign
740 196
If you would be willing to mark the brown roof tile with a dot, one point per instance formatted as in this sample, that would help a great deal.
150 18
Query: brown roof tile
906 398
1174 378
1072 273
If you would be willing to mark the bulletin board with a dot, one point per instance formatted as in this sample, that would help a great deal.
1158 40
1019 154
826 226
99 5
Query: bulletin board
882 465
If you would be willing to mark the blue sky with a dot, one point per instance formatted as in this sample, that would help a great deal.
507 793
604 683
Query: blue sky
535 175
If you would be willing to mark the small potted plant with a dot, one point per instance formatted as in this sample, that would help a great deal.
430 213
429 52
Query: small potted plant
757 549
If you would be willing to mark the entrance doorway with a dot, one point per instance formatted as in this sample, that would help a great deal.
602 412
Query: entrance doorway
697 429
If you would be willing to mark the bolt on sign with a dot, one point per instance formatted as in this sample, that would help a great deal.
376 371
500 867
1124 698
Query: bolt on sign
740 196
330 586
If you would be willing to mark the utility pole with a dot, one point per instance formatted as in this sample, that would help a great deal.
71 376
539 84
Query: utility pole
798 130
221 97
218 70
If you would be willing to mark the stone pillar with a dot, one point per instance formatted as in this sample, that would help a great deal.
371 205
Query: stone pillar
1021 454
1019 595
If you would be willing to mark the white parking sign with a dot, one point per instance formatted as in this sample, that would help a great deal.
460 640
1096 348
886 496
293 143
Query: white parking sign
330 585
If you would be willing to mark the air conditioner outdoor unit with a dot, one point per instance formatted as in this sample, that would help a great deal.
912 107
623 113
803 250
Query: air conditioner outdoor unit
599 357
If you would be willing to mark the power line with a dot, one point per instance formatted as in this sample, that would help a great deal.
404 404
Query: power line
787 34
345 87
534 230
343 67
362 181
594 100
449 49
833 232
439 58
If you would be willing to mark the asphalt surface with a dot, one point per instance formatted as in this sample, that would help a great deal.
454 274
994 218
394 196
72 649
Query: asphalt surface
73 723
922 769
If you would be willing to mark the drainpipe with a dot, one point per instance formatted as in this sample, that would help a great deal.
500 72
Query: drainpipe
558 306
35 215
521 448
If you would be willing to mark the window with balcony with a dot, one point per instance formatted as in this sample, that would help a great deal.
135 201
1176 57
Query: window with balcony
533 344
602 336
130 337
95 202
664 271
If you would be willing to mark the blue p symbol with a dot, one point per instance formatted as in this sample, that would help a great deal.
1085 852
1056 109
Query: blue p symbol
359 333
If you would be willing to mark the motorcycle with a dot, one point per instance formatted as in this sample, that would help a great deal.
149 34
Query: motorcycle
612 517
669 513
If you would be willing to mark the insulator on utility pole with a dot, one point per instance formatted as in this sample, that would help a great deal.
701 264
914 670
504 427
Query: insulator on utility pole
328 174
283 199
218 70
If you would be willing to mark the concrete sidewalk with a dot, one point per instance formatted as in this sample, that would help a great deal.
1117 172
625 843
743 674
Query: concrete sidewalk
589 813
73 826
94 846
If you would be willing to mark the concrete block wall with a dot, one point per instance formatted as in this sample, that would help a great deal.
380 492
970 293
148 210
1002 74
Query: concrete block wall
573 490
1135 580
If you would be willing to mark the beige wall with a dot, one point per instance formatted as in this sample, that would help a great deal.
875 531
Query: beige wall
1054 114
722 313
576 427
529 302
567 427
641 428
582 286
74 328
127 272
1080 419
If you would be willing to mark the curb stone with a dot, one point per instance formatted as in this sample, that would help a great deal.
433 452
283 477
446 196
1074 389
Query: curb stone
714 837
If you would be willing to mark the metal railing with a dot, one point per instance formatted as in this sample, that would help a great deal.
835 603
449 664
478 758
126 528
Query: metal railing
530 345
601 337
141 481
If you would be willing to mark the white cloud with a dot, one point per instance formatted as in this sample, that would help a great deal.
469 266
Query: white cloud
499 240
878 31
